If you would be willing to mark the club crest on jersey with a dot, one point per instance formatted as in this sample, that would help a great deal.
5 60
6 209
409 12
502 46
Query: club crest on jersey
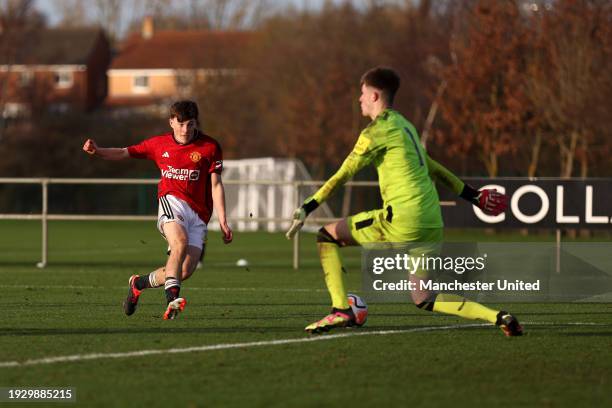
195 156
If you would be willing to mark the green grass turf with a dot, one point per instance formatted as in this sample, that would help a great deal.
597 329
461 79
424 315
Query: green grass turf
74 307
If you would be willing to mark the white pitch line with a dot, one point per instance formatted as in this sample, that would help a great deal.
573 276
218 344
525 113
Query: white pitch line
225 346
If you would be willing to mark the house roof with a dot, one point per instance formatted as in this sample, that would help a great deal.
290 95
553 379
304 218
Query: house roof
183 50
56 46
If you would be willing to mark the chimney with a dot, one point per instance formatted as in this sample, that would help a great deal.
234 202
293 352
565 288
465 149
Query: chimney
147 28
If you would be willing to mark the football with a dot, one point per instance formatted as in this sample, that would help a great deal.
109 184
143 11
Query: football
360 309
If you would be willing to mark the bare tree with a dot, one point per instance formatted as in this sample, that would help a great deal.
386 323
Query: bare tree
158 8
109 14
18 24
485 103
231 14
568 77
434 66
17 20
72 12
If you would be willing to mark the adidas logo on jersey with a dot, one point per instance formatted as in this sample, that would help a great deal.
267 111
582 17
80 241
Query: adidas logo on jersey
166 155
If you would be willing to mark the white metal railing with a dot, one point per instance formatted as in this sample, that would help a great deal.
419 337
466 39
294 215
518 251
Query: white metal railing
44 216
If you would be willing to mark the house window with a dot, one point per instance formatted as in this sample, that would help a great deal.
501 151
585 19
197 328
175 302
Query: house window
25 78
63 79
15 110
141 84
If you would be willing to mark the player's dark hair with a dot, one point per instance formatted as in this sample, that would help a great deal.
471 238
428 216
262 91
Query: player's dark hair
184 111
382 78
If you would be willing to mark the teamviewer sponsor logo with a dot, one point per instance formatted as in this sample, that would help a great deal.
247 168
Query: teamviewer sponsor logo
181 174
194 175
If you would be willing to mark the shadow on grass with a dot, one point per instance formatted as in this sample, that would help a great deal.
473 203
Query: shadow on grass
142 263
86 264
590 334
409 306
117 306
562 313
12 332
323 305
9 332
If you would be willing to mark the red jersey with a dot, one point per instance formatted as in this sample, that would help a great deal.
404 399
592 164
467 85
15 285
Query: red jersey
185 168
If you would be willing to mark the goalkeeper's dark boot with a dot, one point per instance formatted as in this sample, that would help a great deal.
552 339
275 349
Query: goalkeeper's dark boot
131 301
337 318
509 324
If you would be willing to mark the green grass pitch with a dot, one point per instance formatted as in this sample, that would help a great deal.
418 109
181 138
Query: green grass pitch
73 308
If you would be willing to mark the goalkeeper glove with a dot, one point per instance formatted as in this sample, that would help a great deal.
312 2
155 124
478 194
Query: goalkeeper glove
299 216
488 200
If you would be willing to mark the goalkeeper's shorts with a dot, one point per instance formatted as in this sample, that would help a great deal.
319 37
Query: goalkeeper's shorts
381 229
382 226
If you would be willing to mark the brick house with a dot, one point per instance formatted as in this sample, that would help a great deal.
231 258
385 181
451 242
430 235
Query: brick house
62 69
152 67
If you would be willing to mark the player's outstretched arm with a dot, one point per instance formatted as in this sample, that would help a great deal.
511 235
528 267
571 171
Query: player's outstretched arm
352 164
444 176
107 153
488 200
355 161
218 195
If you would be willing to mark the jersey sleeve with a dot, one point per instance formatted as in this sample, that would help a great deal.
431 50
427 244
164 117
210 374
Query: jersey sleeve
363 153
441 174
142 150
216 162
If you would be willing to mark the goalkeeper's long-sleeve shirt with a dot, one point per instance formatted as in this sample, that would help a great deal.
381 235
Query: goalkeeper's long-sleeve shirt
391 144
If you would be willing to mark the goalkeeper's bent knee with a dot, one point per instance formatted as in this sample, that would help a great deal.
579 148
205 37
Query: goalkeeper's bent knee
323 236
427 304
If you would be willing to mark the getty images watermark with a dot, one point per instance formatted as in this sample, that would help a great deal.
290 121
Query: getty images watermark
420 266
520 272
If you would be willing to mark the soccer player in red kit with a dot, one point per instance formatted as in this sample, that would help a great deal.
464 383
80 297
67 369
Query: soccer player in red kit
191 164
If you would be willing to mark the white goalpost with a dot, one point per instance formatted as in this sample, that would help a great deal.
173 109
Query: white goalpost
266 190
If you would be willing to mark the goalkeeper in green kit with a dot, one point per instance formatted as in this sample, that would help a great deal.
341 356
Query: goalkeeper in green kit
411 210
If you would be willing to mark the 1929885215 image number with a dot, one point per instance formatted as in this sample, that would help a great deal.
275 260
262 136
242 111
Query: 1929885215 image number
37 394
